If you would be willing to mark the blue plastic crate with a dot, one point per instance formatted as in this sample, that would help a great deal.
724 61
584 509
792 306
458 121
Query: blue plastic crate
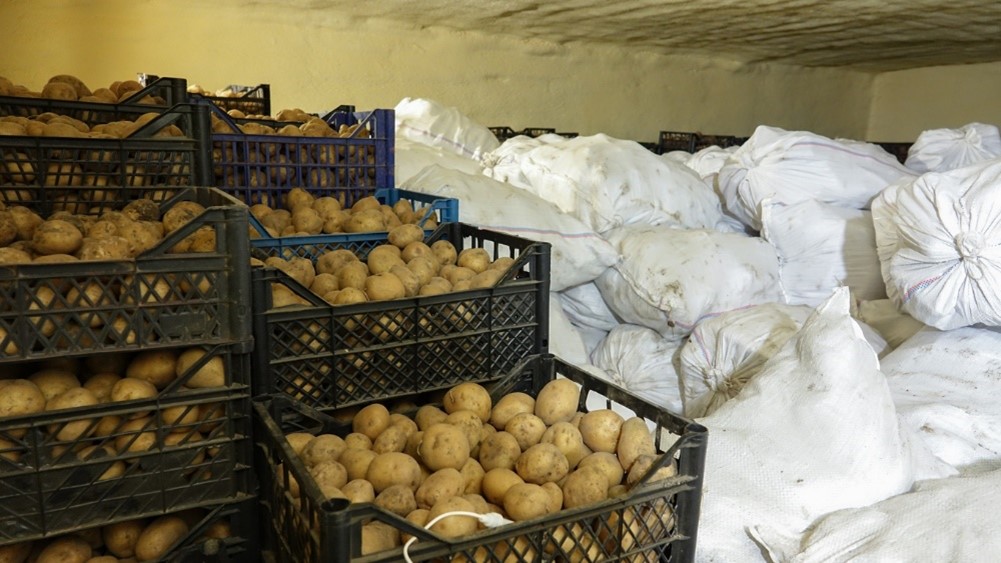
260 168
446 210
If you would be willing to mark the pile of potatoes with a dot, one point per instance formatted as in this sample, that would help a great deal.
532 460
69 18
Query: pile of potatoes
406 267
300 213
51 124
131 541
70 88
103 380
523 458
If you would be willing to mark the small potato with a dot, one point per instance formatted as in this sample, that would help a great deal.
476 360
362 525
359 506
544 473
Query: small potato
456 526
469 396
600 430
444 446
211 374
445 252
441 484
15 552
557 401
371 420
159 536
325 447
415 249
608 463
635 440
586 485
358 440
525 501
356 462
56 237
542 463
121 538
496 483
359 491
472 474
435 286
398 499
526 428
67 549
499 450
510 405
393 468
404 235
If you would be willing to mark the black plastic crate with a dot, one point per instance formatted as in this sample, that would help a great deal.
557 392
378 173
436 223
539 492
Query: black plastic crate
86 175
47 489
348 168
337 534
251 100
334 356
898 150
677 141
159 299
162 92
721 141
243 543
504 133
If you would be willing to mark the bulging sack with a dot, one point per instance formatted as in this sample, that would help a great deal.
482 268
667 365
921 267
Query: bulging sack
941 150
642 362
431 123
939 244
411 158
794 166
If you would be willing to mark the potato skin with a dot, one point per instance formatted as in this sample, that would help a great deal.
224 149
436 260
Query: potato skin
557 401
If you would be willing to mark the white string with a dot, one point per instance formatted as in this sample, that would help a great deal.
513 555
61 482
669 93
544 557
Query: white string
490 520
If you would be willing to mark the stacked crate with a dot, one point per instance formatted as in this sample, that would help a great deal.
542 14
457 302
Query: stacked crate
188 446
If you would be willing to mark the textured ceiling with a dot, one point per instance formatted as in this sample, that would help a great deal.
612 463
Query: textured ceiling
876 35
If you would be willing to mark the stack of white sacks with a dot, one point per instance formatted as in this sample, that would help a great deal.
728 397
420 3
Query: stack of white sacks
829 314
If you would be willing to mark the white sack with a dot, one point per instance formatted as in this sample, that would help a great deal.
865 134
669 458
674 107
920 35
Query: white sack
591 337
793 166
951 519
946 387
578 254
642 362
724 352
504 163
939 244
412 157
815 431
564 340
584 306
669 279
940 150
821 247
607 183
709 161
883 316
431 123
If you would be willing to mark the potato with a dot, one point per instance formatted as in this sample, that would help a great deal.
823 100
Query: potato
503 264
435 286
359 491
159 536
392 439
367 221
444 446
403 235
526 428
115 468
132 389
78 85
66 549
384 287
324 284
635 440
586 485
439 485
299 269
555 496
412 448
322 448
525 501
472 475
542 463
428 415
121 538
298 441
424 268
600 430
211 374
20 397
557 401
329 475
445 252
10 255
356 462
326 205
471 425
352 275
393 468
349 296
415 249
643 463
496 483
182 213
15 552
411 283
59 91
358 440
100 384
499 450
332 261
307 221
486 279
510 405
135 436
377 536
456 526
608 463
371 420
469 396
70 399
297 198
567 438
476 259
56 237
158 367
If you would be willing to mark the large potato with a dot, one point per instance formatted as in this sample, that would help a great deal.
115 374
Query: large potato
158 367
476 259
72 398
456 526
403 235
398 499
359 491
496 483
469 396
526 428
499 450
385 286
441 484
121 538
67 549
444 445
525 501
600 430
586 485
542 463
635 440
211 374
607 463
510 405
371 420
393 468
566 437
356 461
322 448
557 401
159 536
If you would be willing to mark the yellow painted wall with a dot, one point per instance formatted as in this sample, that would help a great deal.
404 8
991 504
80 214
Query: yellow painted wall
316 60
904 103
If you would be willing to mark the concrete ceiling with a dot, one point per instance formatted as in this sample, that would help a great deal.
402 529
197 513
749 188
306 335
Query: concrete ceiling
873 35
